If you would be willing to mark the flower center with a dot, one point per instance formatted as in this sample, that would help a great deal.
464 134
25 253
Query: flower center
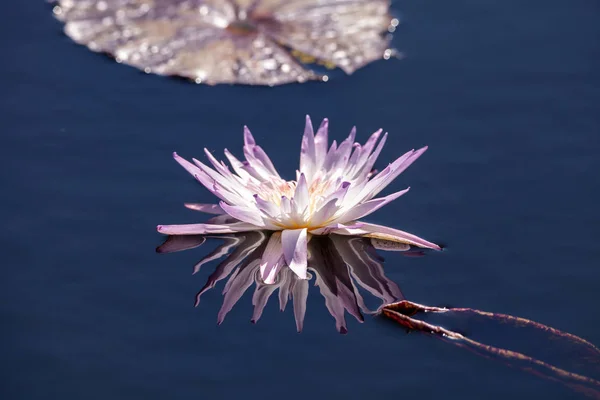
273 191
294 216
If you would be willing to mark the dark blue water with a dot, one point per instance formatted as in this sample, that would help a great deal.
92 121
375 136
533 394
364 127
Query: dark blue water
506 95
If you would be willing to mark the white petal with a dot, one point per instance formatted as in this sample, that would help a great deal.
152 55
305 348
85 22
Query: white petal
301 195
270 209
323 214
286 206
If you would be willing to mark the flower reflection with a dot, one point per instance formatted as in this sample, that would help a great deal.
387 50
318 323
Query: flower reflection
256 42
340 266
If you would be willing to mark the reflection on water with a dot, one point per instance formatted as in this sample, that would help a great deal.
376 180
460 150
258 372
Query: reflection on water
343 266
339 265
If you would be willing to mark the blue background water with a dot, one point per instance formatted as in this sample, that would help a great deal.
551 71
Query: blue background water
506 95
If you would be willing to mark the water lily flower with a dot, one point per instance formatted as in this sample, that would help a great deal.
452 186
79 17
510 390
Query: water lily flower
333 190
339 264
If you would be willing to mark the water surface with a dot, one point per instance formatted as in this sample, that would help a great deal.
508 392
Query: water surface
505 94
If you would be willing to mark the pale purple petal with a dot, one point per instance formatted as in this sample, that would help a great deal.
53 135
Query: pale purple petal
205 208
260 155
364 154
189 167
331 157
370 144
294 243
356 154
373 157
248 138
397 168
203 178
334 227
243 214
235 187
218 166
321 141
238 166
257 158
386 233
370 206
267 207
343 152
339 194
308 154
201 229
229 197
